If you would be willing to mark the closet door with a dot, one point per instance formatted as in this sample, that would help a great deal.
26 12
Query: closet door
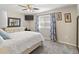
44 26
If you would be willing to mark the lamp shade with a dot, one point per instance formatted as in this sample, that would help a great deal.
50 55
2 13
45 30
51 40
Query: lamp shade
3 19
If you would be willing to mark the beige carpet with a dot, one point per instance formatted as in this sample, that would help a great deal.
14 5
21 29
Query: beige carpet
50 47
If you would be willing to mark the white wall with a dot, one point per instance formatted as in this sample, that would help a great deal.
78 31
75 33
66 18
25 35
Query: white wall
24 23
17 15
66 32
30 24
3 19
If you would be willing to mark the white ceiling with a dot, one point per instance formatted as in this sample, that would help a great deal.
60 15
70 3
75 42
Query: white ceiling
42 7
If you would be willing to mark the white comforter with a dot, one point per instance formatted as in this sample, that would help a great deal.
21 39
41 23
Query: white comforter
20 41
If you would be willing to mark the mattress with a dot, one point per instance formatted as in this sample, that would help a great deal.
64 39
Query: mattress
20 41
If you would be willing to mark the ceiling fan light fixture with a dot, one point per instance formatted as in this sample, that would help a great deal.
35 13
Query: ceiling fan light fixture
28 10
28 7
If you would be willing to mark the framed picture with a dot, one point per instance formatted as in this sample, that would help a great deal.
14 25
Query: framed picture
67 17
59 16
14 22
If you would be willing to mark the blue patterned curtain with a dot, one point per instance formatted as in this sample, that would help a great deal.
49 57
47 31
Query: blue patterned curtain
53 35
37 24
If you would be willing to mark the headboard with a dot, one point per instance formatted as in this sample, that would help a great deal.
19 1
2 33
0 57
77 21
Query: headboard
14 29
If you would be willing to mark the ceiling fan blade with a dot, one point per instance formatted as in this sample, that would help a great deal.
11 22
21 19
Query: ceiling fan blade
24 9
35 8
22 6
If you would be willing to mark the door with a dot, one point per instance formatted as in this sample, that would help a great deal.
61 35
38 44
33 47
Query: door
77 41
44 26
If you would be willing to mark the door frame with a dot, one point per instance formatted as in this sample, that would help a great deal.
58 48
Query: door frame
77 44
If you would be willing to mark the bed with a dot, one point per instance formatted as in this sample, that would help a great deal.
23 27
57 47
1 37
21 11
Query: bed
21 42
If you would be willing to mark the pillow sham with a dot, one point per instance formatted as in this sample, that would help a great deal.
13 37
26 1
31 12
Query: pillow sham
4 34
1 39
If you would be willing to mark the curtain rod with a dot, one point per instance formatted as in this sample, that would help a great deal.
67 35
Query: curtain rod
45 14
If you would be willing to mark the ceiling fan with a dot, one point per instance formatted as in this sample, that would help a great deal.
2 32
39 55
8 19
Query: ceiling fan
28 7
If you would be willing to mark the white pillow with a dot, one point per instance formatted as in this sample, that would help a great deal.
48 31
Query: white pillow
1 39
4 34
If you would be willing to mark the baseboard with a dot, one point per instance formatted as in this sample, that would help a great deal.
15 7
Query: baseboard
67 43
